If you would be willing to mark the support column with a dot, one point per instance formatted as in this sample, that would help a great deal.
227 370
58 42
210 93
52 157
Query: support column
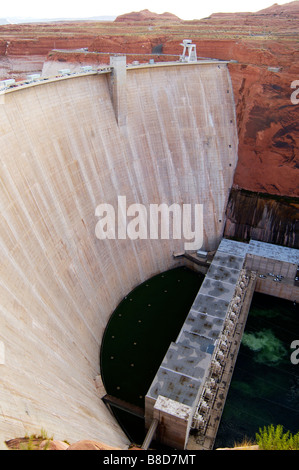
118 87
174 422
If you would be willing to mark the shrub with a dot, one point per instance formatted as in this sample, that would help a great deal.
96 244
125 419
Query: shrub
273 438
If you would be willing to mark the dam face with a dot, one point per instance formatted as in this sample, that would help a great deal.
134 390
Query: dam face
63 152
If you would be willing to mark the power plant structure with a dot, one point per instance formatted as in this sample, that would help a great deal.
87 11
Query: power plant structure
189 389
152 133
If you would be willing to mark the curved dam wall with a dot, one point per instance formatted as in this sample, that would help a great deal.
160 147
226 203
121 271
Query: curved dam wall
62 154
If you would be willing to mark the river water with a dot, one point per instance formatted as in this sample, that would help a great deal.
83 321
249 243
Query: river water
265 385
138 335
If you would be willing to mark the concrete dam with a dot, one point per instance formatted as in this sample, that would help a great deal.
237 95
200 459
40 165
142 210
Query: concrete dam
154 134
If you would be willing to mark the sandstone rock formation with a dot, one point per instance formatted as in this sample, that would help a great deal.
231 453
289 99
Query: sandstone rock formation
53 445
251 215
37 443
147 16
90 445
265 44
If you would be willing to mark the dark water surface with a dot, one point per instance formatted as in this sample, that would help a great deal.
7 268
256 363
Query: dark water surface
265 384
138 335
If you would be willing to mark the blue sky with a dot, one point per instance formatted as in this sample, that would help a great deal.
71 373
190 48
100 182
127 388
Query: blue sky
87 8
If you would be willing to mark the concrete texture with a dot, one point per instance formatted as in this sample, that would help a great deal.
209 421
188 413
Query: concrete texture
176 419
269 261
184 391
204 325
274 252
62 154
210 305
216 288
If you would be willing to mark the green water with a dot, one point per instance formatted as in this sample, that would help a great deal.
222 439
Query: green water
138 335
265 384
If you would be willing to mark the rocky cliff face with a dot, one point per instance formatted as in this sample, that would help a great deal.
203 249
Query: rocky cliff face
267 65
262 217
268 129
147 16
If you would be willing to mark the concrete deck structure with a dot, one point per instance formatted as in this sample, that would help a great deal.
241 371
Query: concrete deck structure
62 154
194 377
190 363
277 267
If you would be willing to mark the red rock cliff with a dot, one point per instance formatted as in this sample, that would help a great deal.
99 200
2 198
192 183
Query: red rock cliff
265 44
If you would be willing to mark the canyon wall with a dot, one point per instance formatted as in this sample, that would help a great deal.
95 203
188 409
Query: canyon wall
62 154
262 217
268 127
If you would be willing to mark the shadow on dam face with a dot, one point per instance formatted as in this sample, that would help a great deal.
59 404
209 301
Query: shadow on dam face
62 154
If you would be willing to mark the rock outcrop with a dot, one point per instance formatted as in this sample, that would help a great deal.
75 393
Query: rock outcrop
35 443
147 16
262 217
38 443
90 445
